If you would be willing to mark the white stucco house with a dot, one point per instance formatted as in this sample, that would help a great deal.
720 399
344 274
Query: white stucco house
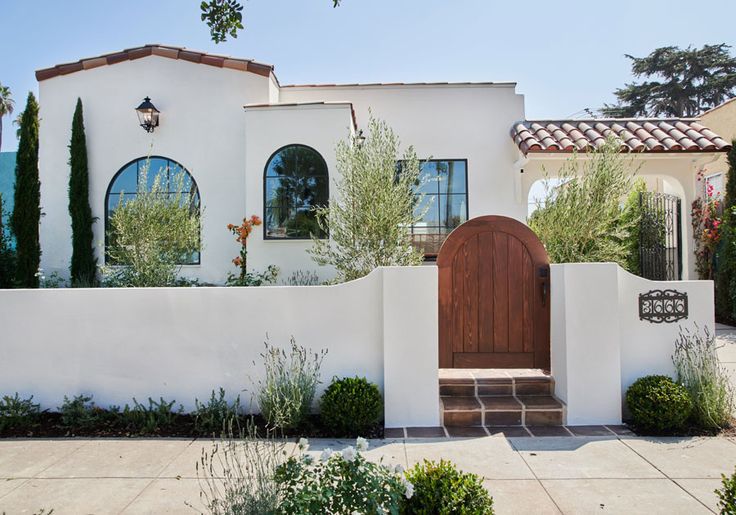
255 146
252 146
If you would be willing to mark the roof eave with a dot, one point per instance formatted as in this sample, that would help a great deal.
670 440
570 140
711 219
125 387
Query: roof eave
170 52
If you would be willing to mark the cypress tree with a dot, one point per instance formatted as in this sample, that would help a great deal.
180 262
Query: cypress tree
27 209
84 263
7 256
726 256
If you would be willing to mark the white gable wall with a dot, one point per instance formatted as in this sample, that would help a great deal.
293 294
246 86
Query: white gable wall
202 127
267 130
225 147
445 121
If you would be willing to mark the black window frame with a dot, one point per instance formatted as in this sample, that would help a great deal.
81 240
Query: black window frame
265 177
123 168
433 256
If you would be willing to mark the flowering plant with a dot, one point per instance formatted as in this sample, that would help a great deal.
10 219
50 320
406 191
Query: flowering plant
340 482
706 220
242 232
245 278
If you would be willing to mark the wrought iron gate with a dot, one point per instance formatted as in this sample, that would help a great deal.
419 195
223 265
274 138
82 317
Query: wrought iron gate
660 237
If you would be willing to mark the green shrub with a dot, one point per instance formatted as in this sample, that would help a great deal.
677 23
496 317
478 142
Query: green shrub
152 419
286 393
727 495
580 218
217 416
18 414
700 371
81 414
658 404
78 413
441 489
631 217
351 406
340 482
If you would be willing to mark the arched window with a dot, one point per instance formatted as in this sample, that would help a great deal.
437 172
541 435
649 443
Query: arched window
295 182
124 186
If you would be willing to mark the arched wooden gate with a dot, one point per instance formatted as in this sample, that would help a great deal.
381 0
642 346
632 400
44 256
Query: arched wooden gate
493 296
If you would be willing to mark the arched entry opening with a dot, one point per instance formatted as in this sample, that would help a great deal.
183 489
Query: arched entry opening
494 307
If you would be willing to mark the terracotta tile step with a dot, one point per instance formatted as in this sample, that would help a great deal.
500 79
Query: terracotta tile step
469 382
464 411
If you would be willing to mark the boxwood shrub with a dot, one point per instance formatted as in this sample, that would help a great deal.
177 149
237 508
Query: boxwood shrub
351 406
658 404
727 494
440 488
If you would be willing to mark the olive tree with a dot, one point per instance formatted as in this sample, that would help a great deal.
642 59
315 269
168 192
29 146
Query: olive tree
368 220
152 233
581 219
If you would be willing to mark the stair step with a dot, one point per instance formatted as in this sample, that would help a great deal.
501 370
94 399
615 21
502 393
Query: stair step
498 398
470 382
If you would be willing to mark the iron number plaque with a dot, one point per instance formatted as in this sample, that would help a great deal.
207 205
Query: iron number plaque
662 306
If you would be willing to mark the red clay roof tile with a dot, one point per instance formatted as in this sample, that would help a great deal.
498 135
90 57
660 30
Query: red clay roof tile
634 135
170 52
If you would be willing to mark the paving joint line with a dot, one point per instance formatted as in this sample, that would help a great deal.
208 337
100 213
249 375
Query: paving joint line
31 478
158 476
67 455
665 475
535 474
23 481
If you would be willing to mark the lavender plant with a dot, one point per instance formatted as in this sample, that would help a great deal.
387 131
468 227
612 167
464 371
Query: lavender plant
286 393
237 474
699 370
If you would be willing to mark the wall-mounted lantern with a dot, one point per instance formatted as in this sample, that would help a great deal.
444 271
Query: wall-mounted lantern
359 138
147 115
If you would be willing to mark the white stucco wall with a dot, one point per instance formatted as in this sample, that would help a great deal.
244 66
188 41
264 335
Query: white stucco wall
268 129
202 126
455 121
180 343
600 346
410 346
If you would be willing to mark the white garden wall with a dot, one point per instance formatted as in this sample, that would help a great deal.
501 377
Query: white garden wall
599 344
180 343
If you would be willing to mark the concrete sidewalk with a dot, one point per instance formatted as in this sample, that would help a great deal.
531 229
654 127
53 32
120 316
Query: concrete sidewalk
525 475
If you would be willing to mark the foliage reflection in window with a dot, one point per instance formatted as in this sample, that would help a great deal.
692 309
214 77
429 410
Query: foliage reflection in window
444 204
124 187
295 182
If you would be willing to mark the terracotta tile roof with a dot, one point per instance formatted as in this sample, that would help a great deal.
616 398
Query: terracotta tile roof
390 84
315 103
170 52
635 135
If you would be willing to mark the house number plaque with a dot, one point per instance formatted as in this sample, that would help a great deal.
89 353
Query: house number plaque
662 306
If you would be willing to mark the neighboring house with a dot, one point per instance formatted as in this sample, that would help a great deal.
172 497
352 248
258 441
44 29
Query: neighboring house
254 146
7 182
722 119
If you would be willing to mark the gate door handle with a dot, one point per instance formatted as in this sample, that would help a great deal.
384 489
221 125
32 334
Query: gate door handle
544 293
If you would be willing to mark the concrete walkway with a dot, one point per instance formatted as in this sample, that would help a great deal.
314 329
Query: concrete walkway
611 474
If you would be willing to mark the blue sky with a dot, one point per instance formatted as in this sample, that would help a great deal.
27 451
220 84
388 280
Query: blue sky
565 56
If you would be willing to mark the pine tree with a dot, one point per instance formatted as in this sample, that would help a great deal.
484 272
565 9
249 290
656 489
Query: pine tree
726 258
84 263
27 209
